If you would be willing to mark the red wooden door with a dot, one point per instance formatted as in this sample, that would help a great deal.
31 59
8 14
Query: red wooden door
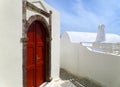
35 70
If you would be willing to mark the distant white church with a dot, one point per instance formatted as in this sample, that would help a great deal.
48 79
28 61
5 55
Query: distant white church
92 55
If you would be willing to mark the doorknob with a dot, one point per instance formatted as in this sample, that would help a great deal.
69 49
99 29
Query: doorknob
37 58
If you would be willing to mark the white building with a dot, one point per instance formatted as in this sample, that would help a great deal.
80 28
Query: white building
83 54
29 43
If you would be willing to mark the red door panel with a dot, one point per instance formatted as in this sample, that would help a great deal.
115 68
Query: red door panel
30 68
40 55
40 65
35 55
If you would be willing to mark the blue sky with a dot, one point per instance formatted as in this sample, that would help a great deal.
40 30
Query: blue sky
86 15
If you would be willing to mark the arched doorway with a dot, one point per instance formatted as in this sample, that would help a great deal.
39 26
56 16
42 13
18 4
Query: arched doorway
36 51
35 63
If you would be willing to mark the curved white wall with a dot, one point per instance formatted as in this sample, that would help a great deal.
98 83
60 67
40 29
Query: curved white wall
103 68
67 59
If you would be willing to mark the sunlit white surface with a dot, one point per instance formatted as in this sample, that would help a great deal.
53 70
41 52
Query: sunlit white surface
82 55
77 37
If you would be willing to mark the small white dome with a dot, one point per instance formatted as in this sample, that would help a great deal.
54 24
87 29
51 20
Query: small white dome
77 37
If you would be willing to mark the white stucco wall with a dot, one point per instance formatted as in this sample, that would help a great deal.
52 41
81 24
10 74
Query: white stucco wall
10 46
103 68
79 60
55 48
67 59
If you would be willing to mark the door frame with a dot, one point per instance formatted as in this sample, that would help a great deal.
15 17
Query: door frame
48 46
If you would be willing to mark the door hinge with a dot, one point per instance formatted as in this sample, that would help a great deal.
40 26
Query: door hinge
23 40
